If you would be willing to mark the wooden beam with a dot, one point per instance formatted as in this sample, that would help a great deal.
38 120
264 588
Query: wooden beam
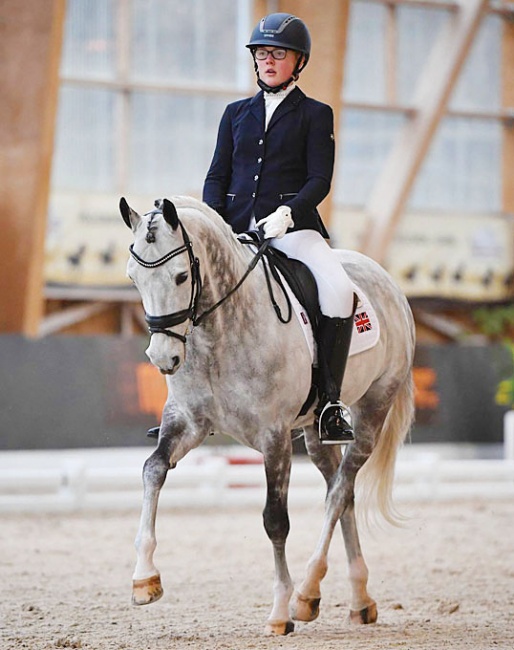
71 292
391 54
505 115
63 319
30 48
434 88
500 7
327 23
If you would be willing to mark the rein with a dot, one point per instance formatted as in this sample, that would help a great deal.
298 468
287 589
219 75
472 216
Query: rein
262 249
160 324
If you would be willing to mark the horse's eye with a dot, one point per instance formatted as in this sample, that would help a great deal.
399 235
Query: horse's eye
181 278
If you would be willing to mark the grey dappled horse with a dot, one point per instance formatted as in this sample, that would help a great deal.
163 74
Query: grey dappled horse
237 370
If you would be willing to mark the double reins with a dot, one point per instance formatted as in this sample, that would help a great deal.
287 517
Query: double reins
161 324
258 255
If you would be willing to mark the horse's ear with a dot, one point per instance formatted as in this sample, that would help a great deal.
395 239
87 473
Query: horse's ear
130 217
169 212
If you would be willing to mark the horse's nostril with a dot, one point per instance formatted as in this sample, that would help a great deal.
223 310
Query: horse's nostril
172 367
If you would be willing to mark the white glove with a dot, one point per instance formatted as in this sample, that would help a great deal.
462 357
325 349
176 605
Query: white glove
277 223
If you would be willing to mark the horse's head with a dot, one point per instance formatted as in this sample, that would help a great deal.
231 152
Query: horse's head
165 272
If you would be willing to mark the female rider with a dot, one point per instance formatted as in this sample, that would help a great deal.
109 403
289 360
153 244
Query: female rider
272 166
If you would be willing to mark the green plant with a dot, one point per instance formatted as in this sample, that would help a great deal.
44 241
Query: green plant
497 323
505 390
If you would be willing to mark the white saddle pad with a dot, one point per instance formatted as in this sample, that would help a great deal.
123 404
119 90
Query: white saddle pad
367 327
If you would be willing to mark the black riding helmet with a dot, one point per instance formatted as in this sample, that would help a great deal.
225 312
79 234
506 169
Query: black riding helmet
282 30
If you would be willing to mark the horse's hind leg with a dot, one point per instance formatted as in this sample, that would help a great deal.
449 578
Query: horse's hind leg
146 586
306 600
340 478
277 459
363 608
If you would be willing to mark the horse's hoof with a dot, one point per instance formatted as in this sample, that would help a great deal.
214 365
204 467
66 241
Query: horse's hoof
280 628
304 609
146 591
364 616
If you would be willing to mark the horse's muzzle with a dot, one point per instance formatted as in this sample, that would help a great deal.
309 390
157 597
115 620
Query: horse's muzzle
165 357
173 369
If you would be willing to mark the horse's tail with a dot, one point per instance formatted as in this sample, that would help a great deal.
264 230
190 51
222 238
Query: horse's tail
374 482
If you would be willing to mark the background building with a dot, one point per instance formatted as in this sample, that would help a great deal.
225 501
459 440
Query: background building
106 98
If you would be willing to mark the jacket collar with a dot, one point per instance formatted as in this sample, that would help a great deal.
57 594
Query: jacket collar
290 103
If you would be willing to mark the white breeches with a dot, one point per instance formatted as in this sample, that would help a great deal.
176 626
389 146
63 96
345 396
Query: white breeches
334 286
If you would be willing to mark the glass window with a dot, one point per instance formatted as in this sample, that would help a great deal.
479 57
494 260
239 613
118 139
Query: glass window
84 156
172 141
364 79
462 171
479 85
418 29
89 42
366 138
169 135
186 42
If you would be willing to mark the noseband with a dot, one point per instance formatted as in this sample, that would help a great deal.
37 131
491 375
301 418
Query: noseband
160 324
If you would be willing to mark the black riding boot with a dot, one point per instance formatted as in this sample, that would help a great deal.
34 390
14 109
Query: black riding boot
335 335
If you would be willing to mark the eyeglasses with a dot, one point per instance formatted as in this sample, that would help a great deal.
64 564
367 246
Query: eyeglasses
261 54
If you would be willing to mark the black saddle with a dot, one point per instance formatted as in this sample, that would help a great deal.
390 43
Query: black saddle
301 282
297 275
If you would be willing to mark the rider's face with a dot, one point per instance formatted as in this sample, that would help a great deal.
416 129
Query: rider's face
275 72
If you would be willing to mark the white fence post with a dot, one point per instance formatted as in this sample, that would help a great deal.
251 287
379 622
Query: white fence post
508 435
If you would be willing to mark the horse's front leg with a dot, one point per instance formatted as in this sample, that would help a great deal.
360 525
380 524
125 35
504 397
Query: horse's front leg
146 586
277 460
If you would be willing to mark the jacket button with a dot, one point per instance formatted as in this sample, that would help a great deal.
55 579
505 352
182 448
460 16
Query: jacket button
259 160
261 141
256 177
253 195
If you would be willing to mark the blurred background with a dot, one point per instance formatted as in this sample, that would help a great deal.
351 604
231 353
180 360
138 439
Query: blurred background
110 98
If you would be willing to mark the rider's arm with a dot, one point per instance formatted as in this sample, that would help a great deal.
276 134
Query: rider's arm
218 177
319 153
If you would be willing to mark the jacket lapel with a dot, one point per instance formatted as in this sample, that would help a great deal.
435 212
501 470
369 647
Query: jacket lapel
290 103
257 108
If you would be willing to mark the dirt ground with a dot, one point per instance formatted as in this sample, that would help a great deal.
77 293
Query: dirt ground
446 580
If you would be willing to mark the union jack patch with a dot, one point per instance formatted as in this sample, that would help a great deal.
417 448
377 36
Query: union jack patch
362 322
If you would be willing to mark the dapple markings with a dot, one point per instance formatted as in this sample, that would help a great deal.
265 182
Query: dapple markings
241 372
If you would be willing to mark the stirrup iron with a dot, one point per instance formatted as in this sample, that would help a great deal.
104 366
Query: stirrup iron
345 435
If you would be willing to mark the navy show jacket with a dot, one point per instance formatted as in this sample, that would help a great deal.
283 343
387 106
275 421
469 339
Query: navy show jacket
254 171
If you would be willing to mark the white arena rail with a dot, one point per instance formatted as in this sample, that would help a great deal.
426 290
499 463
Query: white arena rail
110 479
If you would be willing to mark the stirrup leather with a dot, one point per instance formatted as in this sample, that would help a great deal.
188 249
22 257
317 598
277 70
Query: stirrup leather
342 437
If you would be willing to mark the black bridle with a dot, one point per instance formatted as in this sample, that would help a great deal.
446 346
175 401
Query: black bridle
160 324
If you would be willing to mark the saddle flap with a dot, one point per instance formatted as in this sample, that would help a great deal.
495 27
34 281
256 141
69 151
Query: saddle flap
297 275
301 282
